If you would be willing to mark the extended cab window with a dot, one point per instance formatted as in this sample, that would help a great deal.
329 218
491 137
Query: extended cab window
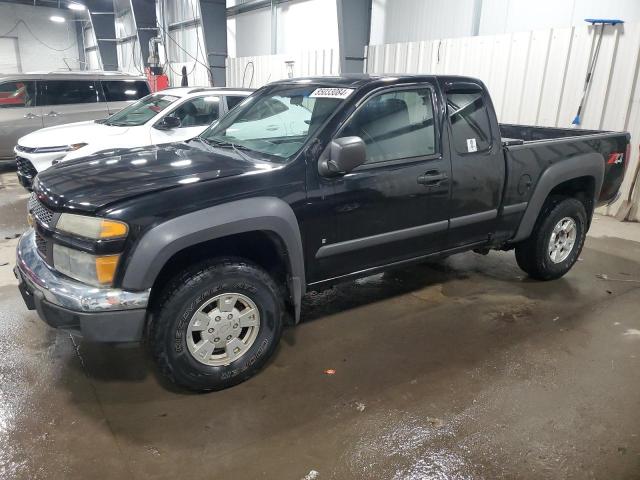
469 119
68 92
124 90
395 125
17 94
198 111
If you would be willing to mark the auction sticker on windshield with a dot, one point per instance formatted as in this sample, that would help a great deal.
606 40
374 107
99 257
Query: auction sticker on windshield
331 93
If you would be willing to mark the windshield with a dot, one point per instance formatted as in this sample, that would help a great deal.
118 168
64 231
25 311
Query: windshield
142 111
277 122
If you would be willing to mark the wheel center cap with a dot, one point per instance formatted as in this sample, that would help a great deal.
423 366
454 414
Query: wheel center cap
222 325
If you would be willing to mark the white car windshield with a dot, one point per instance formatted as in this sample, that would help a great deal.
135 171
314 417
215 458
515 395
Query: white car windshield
142 111
277 122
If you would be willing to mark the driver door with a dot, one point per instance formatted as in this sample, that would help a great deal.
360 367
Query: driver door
395 206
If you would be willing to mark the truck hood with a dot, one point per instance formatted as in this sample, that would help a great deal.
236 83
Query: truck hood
91 183
71 133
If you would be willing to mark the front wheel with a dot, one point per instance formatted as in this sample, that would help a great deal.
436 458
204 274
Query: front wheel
216 325
556 240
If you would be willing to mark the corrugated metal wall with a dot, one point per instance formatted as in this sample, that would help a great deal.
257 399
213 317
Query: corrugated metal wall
537 77
257 71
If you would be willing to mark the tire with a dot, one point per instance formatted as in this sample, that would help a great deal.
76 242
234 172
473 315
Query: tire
181 314
534 254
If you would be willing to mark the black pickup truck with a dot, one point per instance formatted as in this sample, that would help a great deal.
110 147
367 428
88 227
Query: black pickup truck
204 249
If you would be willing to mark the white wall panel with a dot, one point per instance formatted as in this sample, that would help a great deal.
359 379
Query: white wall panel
554 78
257 71
534 78
516 75
497 79
42 44
507 16
9 55
618 107
249 33
537 77
300 25
407 20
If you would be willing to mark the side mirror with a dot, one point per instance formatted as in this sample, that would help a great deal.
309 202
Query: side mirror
168 123
342 156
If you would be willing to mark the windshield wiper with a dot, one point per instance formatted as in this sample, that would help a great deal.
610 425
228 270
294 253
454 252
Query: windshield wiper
223 144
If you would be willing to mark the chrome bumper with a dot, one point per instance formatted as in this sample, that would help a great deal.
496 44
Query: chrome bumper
66 292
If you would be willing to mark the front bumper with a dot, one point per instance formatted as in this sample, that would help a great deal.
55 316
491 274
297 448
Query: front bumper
29 164
98 314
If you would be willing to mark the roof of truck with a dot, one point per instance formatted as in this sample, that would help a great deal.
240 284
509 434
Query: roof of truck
356 80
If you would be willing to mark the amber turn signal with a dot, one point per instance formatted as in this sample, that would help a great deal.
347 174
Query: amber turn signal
106 268
112 229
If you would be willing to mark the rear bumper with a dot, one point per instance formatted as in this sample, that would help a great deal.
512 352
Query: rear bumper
98 314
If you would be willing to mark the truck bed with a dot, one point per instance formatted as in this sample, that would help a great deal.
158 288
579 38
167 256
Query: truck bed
529 150
512 134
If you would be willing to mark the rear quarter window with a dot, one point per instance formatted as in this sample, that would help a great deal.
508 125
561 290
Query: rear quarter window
469 118
124 90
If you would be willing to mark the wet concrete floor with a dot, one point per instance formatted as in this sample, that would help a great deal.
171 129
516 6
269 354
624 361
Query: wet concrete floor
459 369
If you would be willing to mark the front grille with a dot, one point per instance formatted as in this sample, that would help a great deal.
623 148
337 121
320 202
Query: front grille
26 168
42 213
41 244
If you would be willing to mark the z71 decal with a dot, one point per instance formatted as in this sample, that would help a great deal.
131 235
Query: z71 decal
615 159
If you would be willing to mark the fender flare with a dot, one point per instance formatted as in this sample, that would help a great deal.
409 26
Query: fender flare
581 165
161 242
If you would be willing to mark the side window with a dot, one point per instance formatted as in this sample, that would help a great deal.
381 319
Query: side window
68 92
470 127
395 125
17 94
198 112
124 90
233 100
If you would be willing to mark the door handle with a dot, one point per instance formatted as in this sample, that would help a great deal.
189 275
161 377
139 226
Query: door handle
30 116
432 178
53 114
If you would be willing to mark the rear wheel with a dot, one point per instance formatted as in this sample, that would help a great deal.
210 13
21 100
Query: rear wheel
556 240
216 325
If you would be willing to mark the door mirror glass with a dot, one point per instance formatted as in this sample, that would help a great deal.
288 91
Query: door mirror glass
342 156
168 123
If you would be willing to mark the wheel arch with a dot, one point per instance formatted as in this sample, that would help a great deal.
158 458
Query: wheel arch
579 176
264 217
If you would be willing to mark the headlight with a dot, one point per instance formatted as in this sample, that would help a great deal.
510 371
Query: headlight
62 148
87 268
91 227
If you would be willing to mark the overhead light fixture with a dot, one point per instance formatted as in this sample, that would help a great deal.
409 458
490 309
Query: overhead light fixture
76 6
57 19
